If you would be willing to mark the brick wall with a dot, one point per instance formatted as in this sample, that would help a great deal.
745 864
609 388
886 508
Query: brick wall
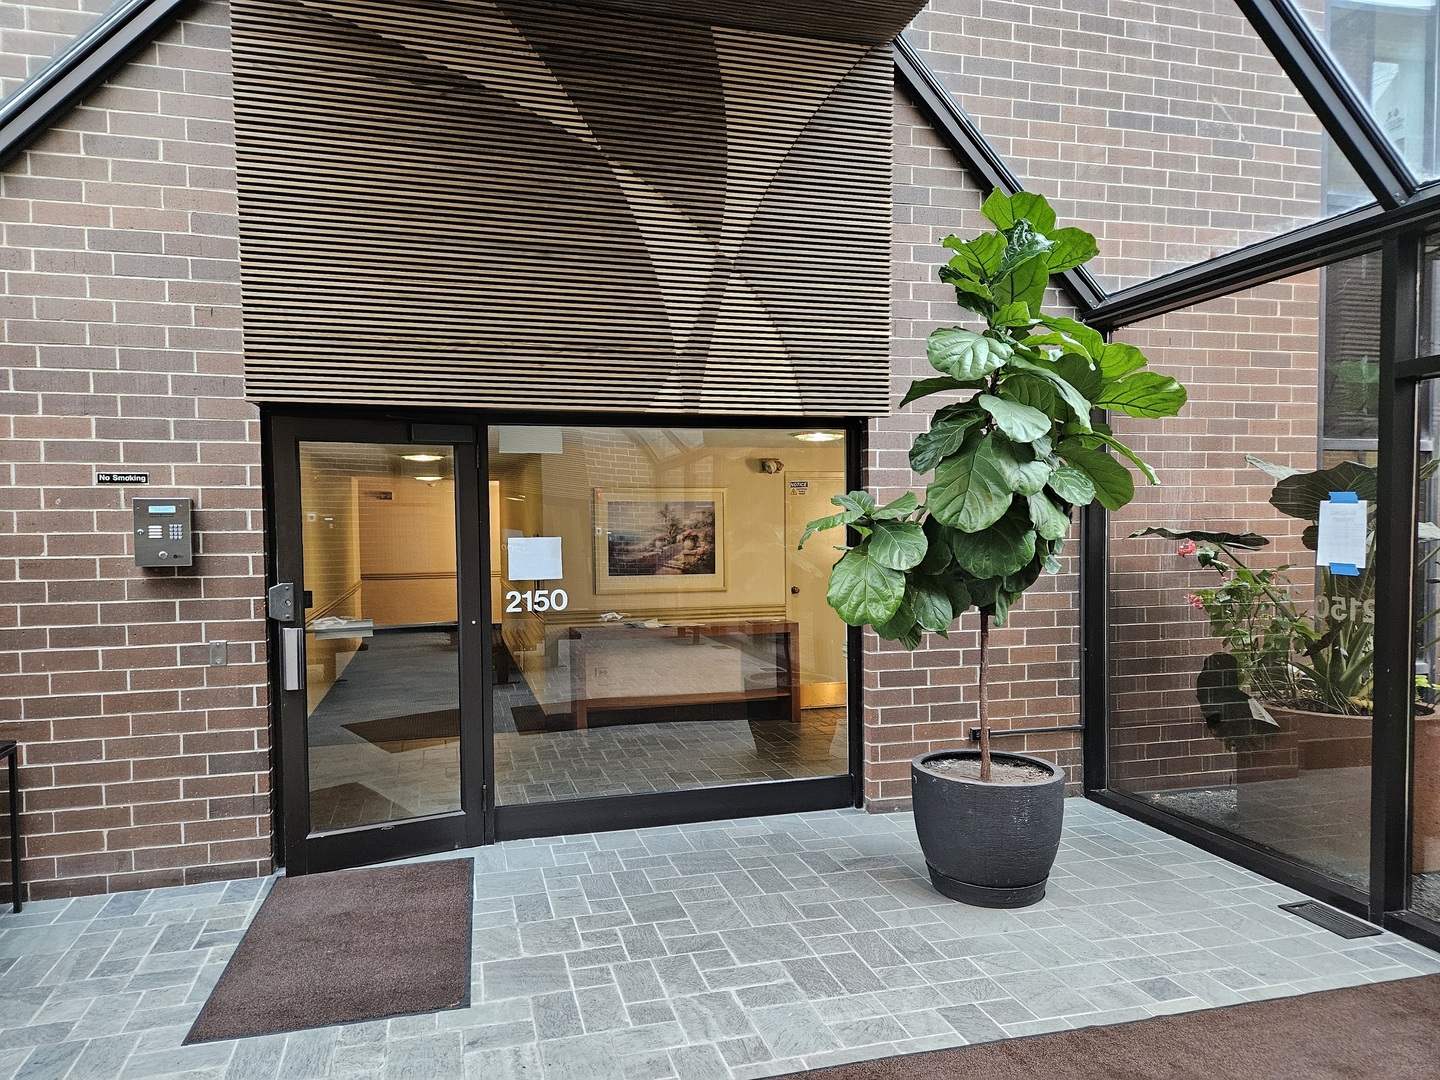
141 765
1251 364
1162 126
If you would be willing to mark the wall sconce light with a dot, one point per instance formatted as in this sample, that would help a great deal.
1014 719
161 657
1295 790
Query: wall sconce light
771 465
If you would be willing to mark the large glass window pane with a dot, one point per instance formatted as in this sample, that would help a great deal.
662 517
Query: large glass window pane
655 626
1166 128
1240 690
1387 49
381 651
33 31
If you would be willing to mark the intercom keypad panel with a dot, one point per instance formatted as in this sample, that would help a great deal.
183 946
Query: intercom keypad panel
163 532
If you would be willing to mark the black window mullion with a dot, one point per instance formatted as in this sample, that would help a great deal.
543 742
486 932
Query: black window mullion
1394 646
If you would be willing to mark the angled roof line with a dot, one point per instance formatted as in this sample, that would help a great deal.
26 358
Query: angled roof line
1327 90
963 137
78 68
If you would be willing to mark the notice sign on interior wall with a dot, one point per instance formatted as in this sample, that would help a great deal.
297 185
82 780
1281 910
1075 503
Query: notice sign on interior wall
799 487
1341 534
533 558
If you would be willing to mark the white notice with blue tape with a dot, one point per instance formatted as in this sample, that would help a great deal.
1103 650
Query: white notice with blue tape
1340 542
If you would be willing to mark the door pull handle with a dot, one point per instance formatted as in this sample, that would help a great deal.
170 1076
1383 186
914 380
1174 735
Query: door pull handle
292 657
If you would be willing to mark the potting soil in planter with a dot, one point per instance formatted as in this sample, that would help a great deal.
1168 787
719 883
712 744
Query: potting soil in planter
1001 772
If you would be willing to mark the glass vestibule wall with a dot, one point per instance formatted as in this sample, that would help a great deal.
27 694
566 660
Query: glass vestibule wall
1241 674
655 626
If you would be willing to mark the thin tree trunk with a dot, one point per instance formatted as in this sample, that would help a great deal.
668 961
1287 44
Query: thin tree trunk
984 691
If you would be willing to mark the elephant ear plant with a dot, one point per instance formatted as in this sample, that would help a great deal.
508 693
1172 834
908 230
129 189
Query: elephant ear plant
1011 461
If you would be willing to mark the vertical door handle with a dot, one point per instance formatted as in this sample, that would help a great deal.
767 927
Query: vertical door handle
292 657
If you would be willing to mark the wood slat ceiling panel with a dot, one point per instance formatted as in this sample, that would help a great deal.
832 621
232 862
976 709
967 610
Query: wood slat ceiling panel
522 205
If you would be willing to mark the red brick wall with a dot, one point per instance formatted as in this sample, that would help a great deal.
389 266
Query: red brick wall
141 764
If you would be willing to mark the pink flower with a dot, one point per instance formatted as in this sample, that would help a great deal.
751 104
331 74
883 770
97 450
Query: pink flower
1187 548
1195 601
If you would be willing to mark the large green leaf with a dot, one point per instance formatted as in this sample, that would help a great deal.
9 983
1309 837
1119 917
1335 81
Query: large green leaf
1021 474
971 295
1114 486
862 590
1120 448
928 598
1118 359
964 354
1001 549
1073 247
1005 210
1072 485
1019 422
826 524
1250 540
895 509
1091 343
1033 391
1077 401
1076 370
1279 472
1300 495
937 554
1050 521
946 435
898 545
1023 285
861 502
1022 243
939 385
1144 394
1012 316
978 257
969 491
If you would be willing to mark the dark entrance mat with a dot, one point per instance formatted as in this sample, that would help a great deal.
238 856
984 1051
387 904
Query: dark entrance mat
347 946
415 731
1387 1029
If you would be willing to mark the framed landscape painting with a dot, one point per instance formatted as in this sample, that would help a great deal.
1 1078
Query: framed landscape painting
659 539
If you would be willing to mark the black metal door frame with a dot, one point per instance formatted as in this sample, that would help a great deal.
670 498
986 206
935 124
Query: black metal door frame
302 850
480 821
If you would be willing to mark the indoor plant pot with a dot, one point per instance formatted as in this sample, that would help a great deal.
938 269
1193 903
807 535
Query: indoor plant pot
1011 455
988 844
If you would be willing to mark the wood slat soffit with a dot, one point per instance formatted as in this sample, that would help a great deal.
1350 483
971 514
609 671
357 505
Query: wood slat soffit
521 204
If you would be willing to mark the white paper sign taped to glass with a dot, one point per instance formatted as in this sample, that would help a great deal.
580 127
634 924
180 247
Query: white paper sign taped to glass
1340 542
533 558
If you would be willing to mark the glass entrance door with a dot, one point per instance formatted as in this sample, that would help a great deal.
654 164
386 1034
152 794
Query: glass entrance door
377 740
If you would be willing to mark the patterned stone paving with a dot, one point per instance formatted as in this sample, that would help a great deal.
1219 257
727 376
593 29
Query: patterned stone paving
726 950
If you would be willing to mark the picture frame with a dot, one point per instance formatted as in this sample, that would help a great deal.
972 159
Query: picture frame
659 540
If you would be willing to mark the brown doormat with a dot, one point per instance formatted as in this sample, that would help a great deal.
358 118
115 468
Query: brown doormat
1387 1030
346 946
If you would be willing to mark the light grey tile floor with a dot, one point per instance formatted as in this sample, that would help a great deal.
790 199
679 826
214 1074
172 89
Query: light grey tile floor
730 949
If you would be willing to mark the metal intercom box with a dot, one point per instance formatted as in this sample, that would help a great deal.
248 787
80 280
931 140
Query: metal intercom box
163 532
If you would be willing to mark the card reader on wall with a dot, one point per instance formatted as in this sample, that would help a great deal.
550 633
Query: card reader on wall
162 532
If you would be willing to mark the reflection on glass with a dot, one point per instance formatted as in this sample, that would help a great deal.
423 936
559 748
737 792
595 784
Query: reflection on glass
1387 48
1242 657
655 626
381 655
1350 389
34 31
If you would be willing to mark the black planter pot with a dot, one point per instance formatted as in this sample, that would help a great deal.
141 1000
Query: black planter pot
991 845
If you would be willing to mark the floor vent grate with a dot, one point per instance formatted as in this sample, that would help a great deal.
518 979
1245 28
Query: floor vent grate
1334 921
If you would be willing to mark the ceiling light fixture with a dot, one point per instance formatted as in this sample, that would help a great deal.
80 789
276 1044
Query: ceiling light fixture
429 479
817 436
423 457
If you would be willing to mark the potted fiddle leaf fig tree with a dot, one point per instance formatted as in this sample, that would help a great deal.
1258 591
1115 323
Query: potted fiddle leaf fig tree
1011 456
